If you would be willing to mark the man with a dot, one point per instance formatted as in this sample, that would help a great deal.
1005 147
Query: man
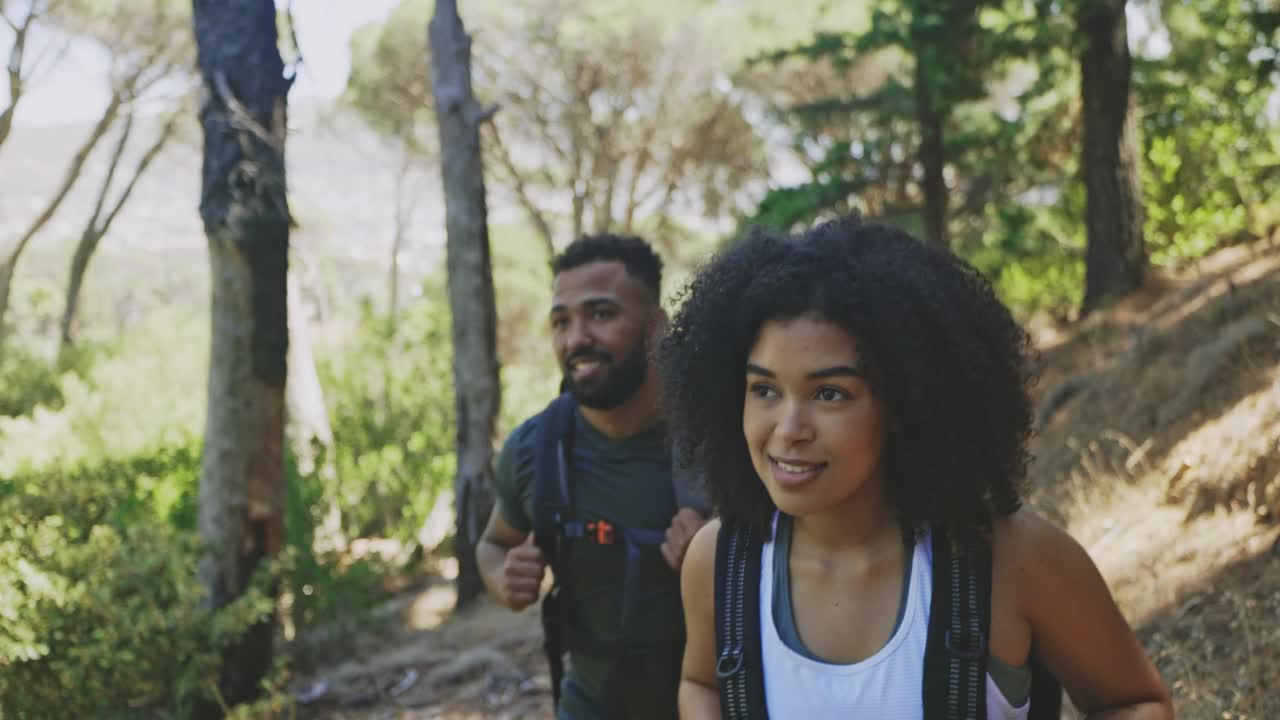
616 606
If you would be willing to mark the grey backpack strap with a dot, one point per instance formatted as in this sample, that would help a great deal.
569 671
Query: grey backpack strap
739 659
955 660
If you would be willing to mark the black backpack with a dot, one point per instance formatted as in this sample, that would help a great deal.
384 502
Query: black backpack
955 662
556 533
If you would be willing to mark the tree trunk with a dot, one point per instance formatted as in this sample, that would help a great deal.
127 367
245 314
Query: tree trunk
246 221
9 264
308 428
933 159
1115 255
14 68
403 218
97 227
475 358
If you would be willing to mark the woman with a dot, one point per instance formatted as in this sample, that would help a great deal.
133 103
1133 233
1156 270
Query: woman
856 396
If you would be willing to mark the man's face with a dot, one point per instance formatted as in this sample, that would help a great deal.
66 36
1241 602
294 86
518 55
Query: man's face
600 320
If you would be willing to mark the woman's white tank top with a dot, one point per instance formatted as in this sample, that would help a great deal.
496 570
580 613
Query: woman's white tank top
886 685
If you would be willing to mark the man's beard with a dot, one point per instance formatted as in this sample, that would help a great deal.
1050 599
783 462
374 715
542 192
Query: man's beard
615 385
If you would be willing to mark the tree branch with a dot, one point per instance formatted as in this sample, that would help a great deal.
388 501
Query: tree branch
14 70
112 166
166 132
70 177
241 118
292 68
536 215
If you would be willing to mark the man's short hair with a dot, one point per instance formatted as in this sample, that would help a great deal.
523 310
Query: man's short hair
641 262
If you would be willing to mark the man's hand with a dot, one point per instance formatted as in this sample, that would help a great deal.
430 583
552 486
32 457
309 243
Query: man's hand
522 573
684 526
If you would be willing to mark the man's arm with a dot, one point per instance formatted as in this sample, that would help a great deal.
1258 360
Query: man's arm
510 564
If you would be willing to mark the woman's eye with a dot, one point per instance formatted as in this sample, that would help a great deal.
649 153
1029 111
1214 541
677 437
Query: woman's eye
830 394
762 390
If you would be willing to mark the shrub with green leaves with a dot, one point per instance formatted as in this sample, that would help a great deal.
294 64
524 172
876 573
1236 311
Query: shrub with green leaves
26 381
102 614
390 398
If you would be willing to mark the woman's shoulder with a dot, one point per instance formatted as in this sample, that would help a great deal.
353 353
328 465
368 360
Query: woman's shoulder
1040 558
1025 530
702 548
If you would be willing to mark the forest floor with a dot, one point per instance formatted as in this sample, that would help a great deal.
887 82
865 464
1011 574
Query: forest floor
1158 446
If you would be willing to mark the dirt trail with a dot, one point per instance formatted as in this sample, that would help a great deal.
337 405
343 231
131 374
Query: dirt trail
1159 448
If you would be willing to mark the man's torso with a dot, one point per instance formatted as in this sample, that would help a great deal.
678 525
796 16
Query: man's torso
628 484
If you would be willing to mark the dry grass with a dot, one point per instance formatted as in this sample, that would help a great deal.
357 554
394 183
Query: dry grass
1165 463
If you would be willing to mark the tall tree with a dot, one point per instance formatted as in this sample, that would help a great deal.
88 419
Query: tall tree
1115 255
150 44
943 34
246 220
605 125
13 252
146 45
17 66
886 140
103 215
475 356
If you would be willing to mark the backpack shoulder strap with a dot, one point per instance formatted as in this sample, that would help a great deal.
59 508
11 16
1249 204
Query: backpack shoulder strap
552 494
955 659
1046 692
739 659
552 499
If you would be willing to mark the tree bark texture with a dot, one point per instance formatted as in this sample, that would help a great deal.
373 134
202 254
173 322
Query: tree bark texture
1115 254
246 221
471 299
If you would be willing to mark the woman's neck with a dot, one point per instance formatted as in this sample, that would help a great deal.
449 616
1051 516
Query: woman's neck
864 523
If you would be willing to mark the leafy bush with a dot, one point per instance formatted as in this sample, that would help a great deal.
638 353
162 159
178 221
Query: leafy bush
26 381
102 613
146 395
325 587
390 397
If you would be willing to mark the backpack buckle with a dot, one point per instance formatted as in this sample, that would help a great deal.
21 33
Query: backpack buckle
601 532
966 652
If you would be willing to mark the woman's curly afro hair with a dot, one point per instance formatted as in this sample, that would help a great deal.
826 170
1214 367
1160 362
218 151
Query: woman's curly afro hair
946 356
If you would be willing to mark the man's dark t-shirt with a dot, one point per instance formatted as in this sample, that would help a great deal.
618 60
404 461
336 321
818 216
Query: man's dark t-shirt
628 483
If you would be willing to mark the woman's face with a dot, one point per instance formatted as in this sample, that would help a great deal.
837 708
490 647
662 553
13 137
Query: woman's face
813 426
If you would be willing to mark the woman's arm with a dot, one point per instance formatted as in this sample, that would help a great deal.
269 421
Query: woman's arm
699 694
1076 628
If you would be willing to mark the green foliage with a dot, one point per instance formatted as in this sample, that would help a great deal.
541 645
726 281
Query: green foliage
1211 151
1213 155
388 85
390 397
1031 259
322 588
143 396
103 615
26 381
